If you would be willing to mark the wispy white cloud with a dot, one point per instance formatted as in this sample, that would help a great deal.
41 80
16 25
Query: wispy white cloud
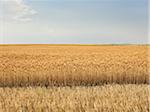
16 10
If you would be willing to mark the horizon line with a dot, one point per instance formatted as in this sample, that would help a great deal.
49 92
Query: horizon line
75 44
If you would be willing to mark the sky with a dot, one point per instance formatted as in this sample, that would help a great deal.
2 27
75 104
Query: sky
74 21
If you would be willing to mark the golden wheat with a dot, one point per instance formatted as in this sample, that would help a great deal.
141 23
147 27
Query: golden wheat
107 98
47 65
71 65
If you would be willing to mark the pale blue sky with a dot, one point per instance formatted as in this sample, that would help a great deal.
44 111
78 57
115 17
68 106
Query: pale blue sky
74 21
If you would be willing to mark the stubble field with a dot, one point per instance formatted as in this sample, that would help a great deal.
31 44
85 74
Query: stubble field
70 78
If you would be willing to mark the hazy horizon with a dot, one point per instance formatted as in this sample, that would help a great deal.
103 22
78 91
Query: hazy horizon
74 22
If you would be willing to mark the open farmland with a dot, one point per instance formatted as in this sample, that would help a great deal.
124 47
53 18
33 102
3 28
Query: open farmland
74 78
61 65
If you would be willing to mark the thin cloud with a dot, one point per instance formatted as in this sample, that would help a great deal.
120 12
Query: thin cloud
17 10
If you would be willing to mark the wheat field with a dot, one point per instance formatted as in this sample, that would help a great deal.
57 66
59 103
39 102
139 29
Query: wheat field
71 65
74 78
